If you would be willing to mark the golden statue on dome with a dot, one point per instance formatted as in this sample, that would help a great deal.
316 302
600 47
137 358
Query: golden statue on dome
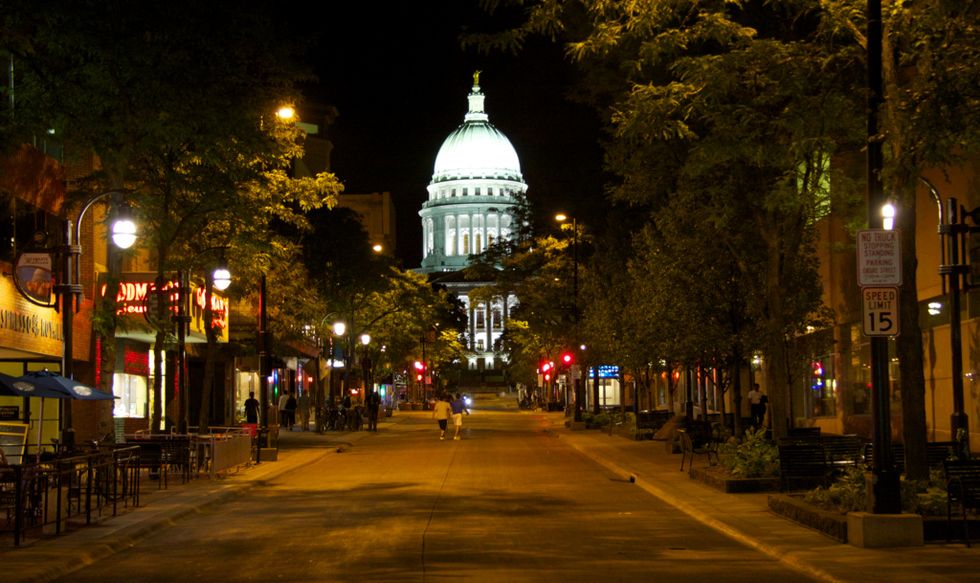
476 78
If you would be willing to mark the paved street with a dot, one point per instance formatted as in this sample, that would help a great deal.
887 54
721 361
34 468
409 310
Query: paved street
510 502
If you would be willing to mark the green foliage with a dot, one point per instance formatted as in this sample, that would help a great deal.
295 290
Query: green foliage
848 493
753 456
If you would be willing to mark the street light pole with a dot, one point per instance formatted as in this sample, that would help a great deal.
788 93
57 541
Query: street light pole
70 289
576 380
264 368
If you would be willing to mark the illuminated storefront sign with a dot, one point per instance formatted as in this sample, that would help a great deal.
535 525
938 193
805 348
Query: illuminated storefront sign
606 371
137 294
27 327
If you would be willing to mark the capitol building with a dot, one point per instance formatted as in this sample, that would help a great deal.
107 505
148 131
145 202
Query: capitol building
476 185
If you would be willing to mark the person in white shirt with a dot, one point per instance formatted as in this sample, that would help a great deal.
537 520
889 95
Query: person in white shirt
441 413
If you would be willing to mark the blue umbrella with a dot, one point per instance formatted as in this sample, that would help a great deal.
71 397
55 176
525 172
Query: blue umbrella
64 387
17 387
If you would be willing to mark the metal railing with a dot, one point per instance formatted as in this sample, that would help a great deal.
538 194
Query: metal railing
38 496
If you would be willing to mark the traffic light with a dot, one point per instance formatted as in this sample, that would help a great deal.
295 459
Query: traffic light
566 358
419 370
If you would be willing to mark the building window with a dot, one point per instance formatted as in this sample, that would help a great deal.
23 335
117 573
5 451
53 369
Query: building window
481 321
477 192
497 318
465 190
131 396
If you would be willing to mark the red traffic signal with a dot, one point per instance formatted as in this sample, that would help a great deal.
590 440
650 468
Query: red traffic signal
566 358
419 365
418 377
546 366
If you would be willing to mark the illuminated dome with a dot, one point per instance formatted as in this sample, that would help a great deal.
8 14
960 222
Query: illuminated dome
476 149
474 194
475 187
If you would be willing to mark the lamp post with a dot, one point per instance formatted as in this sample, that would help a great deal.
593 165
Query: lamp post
264 341
70 288
954 268
576 382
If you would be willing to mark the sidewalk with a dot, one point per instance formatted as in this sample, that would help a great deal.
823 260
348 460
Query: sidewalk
51 558
747 519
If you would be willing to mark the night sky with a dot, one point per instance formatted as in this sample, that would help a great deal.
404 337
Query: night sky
399 79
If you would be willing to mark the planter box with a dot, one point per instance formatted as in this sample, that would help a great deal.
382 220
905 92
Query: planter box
721 480
832 524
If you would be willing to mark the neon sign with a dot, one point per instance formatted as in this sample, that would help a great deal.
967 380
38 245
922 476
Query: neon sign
133 298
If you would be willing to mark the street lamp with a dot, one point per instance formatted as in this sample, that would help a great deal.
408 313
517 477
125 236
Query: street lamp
576 384
70 288
221 278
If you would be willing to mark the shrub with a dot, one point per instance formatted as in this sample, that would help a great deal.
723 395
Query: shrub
849 494
752 457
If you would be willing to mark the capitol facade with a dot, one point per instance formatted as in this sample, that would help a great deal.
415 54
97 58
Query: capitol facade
476 185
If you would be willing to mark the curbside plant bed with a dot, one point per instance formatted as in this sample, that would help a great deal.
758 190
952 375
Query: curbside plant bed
719 479
832 524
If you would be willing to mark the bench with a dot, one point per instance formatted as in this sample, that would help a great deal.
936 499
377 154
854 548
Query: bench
962 491
843 451
802 465
937 452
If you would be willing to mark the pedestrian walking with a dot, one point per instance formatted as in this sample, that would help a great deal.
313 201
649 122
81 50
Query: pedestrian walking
251 409
441 413
290 411
283 414
303 404
757 405
373 403
459 407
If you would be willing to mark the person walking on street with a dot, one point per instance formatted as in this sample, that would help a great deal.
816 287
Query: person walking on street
373 403
757 407
251 409
441 412
303 403
283 414
290 411
458 407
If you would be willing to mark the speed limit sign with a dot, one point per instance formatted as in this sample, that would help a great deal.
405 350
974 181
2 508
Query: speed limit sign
880 311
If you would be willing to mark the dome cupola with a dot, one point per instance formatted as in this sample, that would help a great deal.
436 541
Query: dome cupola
476 149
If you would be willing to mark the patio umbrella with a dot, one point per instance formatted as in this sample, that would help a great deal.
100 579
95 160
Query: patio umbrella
64 386
16 387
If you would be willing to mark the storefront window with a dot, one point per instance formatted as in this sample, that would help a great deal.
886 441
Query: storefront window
131 392
822 394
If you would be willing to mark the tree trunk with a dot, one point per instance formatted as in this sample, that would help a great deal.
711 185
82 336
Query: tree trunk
106 332
910 349
207 389
737 392
777 361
